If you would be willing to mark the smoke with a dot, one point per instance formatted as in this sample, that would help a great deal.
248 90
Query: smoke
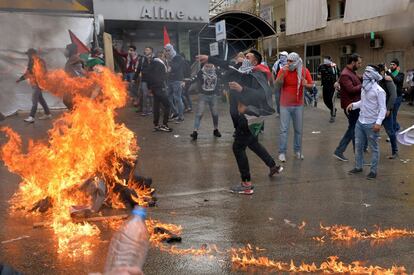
46 33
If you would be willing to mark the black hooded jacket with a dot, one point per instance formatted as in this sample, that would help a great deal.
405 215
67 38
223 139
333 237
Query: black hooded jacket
256 93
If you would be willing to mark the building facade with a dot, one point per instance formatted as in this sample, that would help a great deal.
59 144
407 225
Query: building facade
141 22
378 30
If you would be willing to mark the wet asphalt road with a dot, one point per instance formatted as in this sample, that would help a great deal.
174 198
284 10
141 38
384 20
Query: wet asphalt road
192 179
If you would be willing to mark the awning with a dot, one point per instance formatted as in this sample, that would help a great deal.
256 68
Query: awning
243 29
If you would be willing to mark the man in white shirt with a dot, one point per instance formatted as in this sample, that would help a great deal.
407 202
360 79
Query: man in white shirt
372 112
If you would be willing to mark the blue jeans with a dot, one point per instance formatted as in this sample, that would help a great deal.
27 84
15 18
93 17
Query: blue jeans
349 135
397 105
175 97
364 132
389 128
211 101
146 98
296 114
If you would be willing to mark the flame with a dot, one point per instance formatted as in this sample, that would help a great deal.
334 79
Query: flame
245 258
82 143
347 233
302 225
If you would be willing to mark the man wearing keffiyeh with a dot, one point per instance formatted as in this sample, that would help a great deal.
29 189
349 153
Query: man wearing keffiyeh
293 78
372 112
282 61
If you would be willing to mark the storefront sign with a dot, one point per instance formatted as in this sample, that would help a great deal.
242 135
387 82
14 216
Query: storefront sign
154 10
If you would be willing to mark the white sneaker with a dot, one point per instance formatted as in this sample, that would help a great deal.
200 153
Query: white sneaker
299 155
45 117
30 119
282 157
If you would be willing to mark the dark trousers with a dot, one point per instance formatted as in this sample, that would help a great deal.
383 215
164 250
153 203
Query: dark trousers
234 113
328 92
239 150
388 124
394 113
160 98
350 132
37 97
188 104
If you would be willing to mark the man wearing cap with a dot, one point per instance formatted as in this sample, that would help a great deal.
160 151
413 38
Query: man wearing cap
253 97
37 96
373 109
293 78
398 78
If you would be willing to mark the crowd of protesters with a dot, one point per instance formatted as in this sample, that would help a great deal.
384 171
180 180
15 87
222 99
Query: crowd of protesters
160 83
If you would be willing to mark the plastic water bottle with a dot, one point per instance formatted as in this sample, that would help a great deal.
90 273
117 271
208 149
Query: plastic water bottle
129 246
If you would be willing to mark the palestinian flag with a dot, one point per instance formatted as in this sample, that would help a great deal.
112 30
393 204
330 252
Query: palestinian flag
166 37
75 40
255 124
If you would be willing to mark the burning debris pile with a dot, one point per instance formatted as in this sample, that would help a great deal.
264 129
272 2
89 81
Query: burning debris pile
247 258
347 233
87 163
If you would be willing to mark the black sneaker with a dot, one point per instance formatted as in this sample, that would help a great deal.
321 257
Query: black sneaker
156 128
371 176
194 135
165 128
393 156
340 156
173 117
355 171
277 169
217 133
332 119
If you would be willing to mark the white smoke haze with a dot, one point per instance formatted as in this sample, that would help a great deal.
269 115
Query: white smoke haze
46 33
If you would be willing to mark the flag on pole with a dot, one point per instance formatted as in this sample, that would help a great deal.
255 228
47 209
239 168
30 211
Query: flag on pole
166 37
82 49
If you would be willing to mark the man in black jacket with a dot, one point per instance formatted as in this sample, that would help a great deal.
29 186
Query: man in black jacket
329 74
398 78
157 83
37 96
142 75
389 87
254 100
175 68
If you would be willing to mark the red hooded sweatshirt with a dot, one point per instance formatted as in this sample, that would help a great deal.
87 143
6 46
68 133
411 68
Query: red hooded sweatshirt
263 68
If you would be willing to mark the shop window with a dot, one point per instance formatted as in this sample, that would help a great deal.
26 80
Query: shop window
329 13
342 8
314 50
312 63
